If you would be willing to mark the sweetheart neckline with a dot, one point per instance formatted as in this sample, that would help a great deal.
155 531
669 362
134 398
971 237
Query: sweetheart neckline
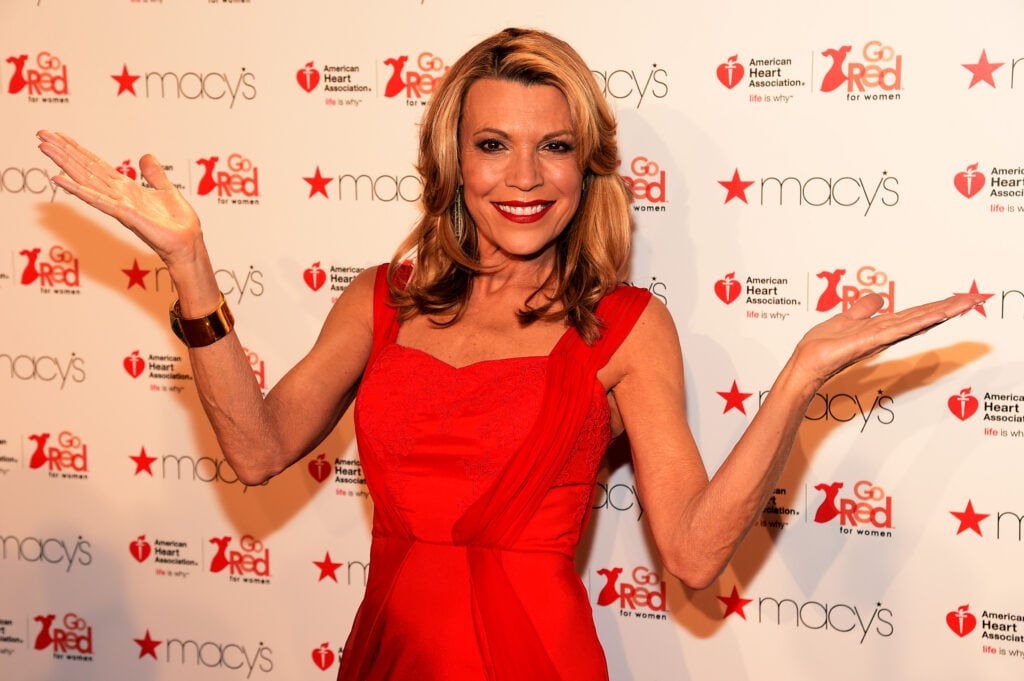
471 365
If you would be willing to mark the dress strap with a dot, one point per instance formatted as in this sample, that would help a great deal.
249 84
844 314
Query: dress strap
618 312
385 316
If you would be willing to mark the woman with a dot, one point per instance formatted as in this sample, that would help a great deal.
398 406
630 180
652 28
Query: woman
496 368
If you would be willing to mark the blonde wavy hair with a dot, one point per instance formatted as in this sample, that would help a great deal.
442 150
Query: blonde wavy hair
591 253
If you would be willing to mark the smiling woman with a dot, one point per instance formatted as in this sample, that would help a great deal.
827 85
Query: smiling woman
590 258
521 183
494 359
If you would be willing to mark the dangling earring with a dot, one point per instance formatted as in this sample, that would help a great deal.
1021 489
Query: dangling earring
457 220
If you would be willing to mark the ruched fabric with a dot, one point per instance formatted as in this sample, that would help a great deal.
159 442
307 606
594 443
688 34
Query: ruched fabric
482 478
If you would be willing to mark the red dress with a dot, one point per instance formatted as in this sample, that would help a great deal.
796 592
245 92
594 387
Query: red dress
481 478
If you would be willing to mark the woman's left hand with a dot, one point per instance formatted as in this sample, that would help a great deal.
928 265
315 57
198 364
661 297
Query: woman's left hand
859 332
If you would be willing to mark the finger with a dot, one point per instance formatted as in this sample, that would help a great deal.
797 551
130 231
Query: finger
962 303
154 173
94 198
865 307
81 164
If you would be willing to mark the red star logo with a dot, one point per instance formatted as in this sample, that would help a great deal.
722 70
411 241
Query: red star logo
328 568
734 604
143 462
125 81
737 188
136 275
980 307
982 71
147 646
969 520
734 399
317 183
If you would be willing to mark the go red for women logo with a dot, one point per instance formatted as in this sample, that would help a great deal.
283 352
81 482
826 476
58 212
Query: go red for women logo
58 271
646 181
67 458
876 72
250 562
867 280
870 505
415 80
43 78
235 182
69 637
641 594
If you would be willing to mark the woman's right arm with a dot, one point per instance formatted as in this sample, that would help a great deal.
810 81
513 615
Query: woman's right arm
259 436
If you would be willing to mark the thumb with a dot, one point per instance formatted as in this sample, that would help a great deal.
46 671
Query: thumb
866 306
154 173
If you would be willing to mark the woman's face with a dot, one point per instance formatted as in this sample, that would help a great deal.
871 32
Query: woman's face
520 175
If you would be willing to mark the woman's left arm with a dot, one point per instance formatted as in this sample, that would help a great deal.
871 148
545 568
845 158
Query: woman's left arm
699 523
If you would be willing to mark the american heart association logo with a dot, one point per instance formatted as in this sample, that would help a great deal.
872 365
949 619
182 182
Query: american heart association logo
319 468
308 77
134 365
963 405
730 73
728 289
323 657
140 548
960 621
314 276
969 182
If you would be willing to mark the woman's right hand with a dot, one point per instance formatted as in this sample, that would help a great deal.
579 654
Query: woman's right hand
160 216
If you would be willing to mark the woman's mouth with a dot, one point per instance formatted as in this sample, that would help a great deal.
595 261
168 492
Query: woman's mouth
523 211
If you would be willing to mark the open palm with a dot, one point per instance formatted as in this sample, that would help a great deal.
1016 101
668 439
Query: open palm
160 215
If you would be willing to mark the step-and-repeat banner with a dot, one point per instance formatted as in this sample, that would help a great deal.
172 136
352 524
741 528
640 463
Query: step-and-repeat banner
785 159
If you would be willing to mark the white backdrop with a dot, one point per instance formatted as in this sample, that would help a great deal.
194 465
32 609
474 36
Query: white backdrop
785 159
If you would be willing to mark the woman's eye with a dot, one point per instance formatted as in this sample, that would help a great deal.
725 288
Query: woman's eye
560 147
489 145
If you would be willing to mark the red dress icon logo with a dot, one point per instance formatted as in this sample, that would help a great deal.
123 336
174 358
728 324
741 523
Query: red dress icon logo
828 508
830 296
207 184
17 82
963 405
31 271
38 456
609 594
969 182
835 76
395 83
731 72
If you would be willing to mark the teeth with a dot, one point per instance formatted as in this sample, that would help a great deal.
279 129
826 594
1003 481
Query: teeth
523 210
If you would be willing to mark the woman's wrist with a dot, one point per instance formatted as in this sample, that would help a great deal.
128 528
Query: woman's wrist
194 282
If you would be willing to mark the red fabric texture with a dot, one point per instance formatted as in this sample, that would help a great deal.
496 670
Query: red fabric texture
482 478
